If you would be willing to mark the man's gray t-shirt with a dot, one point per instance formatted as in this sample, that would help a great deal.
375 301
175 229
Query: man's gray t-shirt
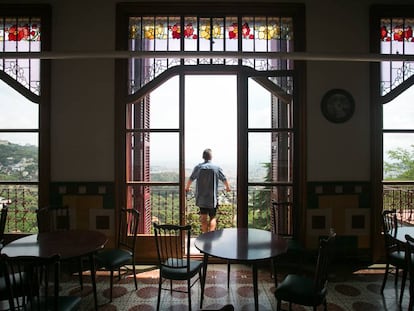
207 176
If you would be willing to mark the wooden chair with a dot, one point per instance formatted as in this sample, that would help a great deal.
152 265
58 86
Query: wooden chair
394 250
294 257
54 218
124 253
304 290
410 268
33 284
3 220
173 249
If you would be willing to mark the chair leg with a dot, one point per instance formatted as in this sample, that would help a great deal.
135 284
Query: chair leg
189 294
228 273
403 280
274 270
387 267
159 294
80 269
279 305
397 272
135 276
111 283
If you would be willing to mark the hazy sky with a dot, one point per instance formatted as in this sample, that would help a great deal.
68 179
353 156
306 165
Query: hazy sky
210 119
399 114
17 112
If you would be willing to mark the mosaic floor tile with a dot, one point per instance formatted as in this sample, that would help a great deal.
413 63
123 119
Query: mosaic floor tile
348 291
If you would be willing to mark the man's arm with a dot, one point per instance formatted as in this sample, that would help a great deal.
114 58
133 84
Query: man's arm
188 185
227 185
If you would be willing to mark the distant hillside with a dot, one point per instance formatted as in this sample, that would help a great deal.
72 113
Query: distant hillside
11 154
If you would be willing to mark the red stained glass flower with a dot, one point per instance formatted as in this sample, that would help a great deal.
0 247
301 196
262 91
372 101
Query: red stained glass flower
19 33
398 34
189 31
175 30
408 33
384 34
233 31
246 31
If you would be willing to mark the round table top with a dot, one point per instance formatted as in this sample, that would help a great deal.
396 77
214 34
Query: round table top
402 231
245 244
68 244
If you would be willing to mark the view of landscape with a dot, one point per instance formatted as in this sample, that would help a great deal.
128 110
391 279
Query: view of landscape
210 123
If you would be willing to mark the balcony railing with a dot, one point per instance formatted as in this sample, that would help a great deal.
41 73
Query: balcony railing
22 201
399 196
165 209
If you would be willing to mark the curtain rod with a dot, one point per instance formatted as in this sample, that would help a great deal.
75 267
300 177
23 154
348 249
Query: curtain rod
305 56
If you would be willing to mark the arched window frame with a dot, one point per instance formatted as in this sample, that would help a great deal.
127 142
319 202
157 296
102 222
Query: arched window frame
34 87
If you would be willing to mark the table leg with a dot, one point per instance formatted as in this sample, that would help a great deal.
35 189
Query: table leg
228 274
255 289
203 281
93 277
274 270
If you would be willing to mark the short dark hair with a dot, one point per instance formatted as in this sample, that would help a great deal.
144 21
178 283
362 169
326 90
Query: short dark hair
207 154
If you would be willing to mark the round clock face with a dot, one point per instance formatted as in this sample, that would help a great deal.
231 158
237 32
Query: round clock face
337 106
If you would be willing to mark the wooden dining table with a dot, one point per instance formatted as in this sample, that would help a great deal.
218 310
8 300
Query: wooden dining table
246 245
68 244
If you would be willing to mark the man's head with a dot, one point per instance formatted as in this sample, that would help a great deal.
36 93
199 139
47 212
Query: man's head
207 154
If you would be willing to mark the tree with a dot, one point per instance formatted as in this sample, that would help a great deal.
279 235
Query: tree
401 166
260 202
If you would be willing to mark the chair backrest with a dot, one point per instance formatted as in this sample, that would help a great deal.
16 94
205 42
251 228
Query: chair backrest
409 253
33 282
390 228
280 215
390 222
128 229
173 245
324 258
3 220
53 218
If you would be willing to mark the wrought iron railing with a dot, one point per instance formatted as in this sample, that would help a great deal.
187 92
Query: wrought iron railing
22 203
165 209
399 196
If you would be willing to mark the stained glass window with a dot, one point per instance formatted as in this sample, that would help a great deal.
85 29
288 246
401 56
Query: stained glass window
396 38
207 34
21 34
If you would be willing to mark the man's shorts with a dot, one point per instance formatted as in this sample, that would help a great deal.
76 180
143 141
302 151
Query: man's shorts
210 211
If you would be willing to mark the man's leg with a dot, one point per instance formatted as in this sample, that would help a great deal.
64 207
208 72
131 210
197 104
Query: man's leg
213 223
204 223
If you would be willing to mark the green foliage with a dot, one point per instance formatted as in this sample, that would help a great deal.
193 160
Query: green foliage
401 166
18 163
165 176
259 204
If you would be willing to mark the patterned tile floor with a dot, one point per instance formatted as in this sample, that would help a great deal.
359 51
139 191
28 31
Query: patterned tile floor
356 289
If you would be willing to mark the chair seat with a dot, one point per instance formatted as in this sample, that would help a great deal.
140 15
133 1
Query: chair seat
113 257
180 273
299 289
397 258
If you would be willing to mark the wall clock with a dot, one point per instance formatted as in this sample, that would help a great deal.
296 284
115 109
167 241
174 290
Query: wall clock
337 105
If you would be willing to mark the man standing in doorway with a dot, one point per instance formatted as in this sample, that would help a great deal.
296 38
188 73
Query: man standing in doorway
207 175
